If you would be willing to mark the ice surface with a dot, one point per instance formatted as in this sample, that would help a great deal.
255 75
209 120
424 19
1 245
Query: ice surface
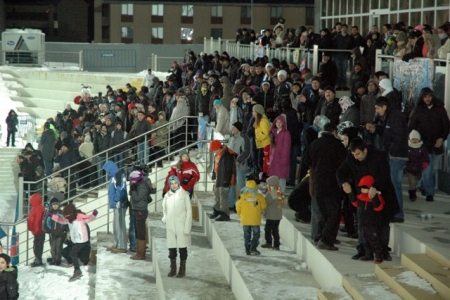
410 278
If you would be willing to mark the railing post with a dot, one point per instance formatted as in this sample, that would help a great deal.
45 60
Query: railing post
204 45
80 60
315 59
21 190
447 89
68 185
288 54
378 61
226 46
219 40
252 51
238 49
156 62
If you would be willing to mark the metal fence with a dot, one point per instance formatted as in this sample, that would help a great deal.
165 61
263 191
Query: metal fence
118 60
27 127
160 63
51 59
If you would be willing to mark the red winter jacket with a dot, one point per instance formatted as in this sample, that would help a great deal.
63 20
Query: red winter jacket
188 176
34 222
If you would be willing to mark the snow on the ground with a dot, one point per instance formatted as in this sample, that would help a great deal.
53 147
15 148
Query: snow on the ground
410 278
52 283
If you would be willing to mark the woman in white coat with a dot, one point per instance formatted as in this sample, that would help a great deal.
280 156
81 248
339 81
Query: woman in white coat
177 215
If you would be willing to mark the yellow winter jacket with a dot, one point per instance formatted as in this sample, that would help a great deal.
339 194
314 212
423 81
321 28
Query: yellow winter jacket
262 138
250 207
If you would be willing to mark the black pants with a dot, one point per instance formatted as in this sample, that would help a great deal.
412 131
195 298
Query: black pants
372 239
192 130
38 246
156 153
79 251
173 253
139 223
347 211
66 252
11 134
330 209
271 230
385 230
55 248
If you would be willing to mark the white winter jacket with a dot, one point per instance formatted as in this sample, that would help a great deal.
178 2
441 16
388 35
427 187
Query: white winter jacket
177 215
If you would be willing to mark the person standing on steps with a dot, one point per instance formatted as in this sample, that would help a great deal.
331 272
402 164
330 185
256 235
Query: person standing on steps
177 215
139 193
118 202
249 209
187 173
34 224
11 123
224 176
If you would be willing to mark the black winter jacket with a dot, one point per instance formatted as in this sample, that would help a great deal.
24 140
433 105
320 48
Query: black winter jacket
225 170
392 128
101 143
432 124
375 164
9 287
332 111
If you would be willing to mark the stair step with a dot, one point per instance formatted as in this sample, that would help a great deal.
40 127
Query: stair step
431 270
406 283
115 273
201 265
337 293
283 269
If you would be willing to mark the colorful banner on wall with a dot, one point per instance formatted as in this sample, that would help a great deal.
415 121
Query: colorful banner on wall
410 77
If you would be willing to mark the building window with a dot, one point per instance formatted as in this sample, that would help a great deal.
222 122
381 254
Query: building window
127 13
127 32
187 13
105 34
105 10
216 33
309 16
246 15
216 11
157 13
187 35
216 15
276 12
157 35
127 9
187 10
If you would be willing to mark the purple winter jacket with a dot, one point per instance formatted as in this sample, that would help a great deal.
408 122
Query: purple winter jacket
416 158
280 152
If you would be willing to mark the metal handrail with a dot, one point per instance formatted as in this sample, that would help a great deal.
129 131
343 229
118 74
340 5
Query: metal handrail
105 152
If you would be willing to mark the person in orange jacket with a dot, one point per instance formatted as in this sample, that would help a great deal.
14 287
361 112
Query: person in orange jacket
34 224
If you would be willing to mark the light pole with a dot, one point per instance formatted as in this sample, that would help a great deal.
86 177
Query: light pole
251 15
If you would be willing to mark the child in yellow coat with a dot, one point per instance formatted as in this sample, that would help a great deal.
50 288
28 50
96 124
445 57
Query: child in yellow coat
249 207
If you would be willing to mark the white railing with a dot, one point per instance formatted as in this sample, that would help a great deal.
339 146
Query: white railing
51 59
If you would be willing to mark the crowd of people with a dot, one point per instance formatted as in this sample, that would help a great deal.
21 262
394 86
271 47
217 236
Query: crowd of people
343 155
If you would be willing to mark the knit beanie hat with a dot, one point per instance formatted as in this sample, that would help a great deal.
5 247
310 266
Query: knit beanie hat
54 200
238 126
217 101
215 145
135 176
282 72
6 258
70 212
330 88
386 84
414 135
316 78
183 152
259 109
273 181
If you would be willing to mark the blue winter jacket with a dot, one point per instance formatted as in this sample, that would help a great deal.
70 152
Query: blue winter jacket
117 189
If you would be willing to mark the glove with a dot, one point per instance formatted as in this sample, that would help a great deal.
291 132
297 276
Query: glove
133 187
424 165
50 215
95 212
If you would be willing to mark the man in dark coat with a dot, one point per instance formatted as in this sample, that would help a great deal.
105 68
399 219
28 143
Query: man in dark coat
329 105
430 119
67 158
328 70
47 145
323 157
393 131
366 160
101 143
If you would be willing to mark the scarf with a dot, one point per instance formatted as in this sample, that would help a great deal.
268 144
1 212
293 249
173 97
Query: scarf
280 195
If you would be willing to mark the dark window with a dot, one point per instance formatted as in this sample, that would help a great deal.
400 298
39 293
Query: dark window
309 18
216 33
105 10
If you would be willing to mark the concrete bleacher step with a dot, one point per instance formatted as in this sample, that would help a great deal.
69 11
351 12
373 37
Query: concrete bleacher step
254 277
63 96
41 113
61 85
337 293
334 269
119 277
431 270
44 103
406 283
204 279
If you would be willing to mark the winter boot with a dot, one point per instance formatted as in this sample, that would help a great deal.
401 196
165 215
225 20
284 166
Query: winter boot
254 251
215 214
182 270
223 218
140 255
267 245
361 252
386 256
137 250
412 195
247 249
173 267
378 257
368 256
76 274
